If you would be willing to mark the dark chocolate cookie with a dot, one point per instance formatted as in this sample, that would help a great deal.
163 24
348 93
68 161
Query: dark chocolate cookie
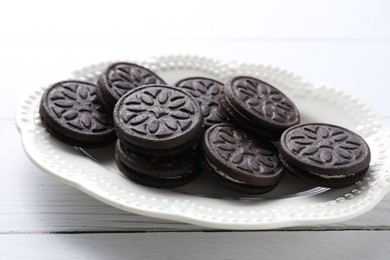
240 161
206 92
258 107
158 120
70 111
325 155
167 172
121 77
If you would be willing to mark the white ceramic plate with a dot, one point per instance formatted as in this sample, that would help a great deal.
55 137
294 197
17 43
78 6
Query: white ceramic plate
202 202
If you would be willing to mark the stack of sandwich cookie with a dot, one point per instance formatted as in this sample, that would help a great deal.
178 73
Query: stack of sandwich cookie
160 124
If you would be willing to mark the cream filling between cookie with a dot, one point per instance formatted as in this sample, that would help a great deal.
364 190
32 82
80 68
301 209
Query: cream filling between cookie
331 176
291 168
219 172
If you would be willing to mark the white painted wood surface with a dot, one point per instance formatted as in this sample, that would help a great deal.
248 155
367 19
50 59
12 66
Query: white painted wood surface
342 43
199 245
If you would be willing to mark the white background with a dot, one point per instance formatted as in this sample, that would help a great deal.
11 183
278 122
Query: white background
345 44
342 43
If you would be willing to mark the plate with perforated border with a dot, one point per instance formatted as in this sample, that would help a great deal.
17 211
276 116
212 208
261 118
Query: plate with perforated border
202 202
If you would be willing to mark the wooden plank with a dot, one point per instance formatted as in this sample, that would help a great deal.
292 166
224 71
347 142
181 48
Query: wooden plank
199 245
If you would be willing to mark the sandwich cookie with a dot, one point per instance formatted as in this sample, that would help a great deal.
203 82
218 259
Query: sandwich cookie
324 155
206 92
258 107
158 120
121 77
70 111
240 161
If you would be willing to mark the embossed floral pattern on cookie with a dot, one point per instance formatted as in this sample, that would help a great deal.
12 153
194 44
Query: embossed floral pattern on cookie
243 152
75 104
124 77
158 112
264 100
206 92
325 145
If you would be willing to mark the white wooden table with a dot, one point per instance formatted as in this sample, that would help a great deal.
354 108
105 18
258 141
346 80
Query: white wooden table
345 44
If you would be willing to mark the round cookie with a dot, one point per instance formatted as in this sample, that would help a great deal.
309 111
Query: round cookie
258 107
206 92
121 77
157 172
240 161
324 155
70 111
158 120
